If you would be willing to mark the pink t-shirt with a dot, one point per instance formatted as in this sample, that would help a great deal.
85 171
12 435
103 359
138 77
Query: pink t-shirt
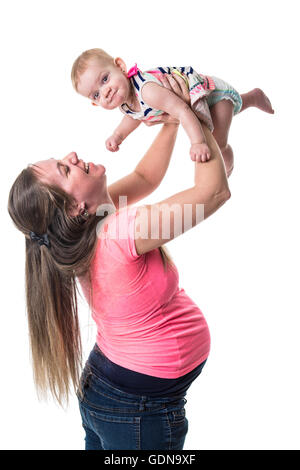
145 322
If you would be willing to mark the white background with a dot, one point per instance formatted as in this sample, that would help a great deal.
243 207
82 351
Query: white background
241 266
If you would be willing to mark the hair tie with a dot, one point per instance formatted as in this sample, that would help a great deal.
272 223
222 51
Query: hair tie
41 239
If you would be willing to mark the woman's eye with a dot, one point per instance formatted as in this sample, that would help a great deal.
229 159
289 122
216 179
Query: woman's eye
67 169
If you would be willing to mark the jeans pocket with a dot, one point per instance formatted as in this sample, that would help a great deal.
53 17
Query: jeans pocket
116 432
178 417
178 428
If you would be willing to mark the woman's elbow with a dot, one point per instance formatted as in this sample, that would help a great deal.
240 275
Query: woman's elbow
217 201
221 192
218 198
212 194
223 195
226 194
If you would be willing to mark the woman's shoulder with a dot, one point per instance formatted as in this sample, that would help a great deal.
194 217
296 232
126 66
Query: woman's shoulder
122 215
116 233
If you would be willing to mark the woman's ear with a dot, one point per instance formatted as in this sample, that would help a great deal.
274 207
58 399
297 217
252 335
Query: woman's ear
76 210
121 64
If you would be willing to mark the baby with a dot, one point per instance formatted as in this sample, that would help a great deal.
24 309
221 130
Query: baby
141 97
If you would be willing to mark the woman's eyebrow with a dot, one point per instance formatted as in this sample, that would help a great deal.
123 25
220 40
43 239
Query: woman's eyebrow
59 165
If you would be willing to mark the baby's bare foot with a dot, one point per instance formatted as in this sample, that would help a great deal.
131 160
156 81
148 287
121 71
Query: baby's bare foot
261 101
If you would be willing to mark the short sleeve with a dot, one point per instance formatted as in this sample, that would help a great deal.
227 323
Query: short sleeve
118 234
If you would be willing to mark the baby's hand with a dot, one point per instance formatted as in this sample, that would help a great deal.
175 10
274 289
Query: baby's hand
200 152
113 142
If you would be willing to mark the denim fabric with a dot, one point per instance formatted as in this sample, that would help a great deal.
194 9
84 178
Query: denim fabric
116 420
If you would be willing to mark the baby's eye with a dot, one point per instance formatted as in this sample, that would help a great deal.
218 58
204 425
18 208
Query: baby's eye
96 95
104 79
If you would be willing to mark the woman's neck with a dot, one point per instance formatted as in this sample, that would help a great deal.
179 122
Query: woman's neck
106 205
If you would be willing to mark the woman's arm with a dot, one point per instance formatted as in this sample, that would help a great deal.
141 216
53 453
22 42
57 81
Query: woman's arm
149 172
166 100
159 223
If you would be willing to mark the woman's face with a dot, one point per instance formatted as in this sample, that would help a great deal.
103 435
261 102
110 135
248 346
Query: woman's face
70 174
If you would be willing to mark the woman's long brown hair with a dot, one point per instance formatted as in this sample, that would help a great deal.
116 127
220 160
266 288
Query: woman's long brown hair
50 278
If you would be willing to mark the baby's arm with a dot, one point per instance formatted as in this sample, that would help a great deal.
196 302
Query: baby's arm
126 126
162 98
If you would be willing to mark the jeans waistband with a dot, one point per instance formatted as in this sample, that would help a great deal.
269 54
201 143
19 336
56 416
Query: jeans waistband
92 374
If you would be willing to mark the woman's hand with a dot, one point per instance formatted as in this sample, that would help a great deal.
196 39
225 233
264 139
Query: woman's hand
164 118
176 84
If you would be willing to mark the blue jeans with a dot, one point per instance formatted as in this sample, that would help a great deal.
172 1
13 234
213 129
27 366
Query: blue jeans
116 420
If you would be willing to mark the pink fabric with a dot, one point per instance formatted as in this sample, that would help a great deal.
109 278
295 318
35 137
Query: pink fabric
145 322
133 71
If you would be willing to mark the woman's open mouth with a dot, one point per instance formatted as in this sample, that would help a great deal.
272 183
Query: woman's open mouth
87 167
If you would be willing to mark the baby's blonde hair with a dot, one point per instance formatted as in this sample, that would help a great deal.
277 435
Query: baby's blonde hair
81 63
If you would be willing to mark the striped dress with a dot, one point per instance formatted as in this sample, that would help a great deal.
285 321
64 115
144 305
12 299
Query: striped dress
200 86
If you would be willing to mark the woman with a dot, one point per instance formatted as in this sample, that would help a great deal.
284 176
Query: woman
152 340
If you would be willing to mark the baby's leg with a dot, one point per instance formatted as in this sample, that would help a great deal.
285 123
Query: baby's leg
221 114
257 99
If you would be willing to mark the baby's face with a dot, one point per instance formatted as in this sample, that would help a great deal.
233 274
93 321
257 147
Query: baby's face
105 85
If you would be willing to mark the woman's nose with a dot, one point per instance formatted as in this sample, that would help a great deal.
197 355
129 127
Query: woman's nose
72 157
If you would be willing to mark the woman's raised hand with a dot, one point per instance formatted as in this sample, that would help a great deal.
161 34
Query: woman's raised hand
176 84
